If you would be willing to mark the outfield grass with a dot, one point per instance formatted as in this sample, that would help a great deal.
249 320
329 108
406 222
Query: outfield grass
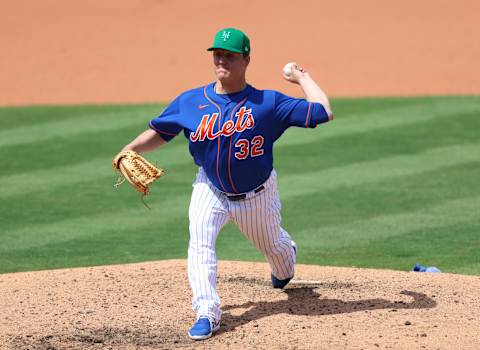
390 182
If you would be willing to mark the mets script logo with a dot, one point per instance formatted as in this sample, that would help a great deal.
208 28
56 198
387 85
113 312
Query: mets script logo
205 129
225 35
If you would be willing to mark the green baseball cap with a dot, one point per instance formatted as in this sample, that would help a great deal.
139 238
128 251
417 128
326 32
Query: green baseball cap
231 39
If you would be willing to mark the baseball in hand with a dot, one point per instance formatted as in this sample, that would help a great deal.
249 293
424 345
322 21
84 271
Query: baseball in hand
287 69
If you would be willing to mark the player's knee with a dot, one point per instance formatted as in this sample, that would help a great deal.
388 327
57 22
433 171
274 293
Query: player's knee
271 251
276 248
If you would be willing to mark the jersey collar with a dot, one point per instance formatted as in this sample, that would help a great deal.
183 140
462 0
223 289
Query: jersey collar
225 98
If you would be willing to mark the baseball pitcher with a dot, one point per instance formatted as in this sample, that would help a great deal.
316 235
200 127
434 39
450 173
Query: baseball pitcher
231 127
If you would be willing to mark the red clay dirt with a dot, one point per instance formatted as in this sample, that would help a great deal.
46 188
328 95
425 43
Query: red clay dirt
126 51
147 306
90 51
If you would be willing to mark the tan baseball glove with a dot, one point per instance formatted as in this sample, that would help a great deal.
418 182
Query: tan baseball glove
136 170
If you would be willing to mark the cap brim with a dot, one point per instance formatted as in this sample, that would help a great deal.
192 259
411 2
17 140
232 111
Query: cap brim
224 48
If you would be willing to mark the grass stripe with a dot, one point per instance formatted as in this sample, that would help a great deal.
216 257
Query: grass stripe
325 153
430 246
45 154
12 118
392 195
169 193
444 235
97 170
441 235
60 189
56 201
468 268
388 183
60 129
87 199
397 224
373 171
133 219
375 120
100 170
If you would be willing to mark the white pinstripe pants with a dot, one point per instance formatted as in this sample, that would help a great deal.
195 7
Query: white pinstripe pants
258 218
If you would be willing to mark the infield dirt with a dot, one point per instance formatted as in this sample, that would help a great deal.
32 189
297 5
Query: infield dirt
89 51
147 306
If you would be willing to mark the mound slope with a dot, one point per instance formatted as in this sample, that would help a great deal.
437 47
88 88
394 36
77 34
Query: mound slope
147 306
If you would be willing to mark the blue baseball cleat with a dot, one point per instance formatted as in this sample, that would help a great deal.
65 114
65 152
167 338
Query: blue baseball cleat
278 283
203 328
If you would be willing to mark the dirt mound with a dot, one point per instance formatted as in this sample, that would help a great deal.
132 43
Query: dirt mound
147 306
90 51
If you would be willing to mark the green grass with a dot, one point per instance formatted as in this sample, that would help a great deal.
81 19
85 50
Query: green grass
391 182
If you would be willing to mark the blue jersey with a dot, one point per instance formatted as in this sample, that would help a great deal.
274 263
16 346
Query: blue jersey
231 136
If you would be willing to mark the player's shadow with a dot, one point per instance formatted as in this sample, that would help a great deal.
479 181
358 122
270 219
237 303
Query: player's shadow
306 301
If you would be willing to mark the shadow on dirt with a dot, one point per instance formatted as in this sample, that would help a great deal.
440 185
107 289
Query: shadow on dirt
262 282
105 337
306 301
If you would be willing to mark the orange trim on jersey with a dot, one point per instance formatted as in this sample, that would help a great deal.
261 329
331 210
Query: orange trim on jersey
230 150
160 131
219 119
308 114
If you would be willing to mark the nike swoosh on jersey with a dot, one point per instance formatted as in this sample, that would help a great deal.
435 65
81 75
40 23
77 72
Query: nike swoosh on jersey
203 106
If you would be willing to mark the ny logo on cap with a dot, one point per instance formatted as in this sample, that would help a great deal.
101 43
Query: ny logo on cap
225 35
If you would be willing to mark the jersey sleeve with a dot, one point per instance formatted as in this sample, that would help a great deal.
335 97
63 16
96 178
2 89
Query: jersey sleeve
299 112
167 124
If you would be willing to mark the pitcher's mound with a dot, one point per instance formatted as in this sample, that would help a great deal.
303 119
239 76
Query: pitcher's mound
147 306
